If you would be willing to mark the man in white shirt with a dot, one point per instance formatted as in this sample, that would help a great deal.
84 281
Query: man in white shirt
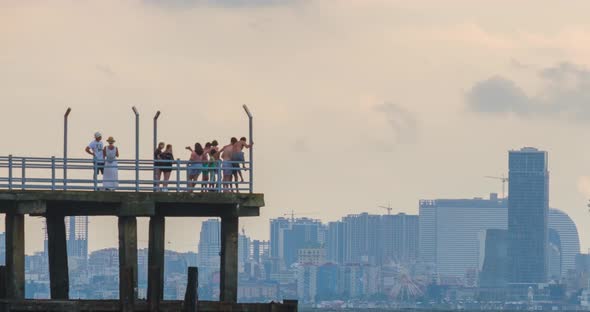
96 149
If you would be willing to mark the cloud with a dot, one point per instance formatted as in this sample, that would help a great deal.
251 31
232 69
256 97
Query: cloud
403 122
565 95
218 3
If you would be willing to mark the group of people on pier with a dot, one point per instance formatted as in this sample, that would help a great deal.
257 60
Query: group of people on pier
208 164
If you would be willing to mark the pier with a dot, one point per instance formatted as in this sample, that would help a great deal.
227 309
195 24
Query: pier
57 187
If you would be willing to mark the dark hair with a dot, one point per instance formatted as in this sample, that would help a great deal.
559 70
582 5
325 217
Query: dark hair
207 145
212 152
243 139
233 140
168 146
199 149
214 143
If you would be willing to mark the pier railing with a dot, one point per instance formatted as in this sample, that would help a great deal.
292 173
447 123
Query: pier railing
47 173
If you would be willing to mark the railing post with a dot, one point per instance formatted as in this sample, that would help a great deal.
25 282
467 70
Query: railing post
53 173
136 148
251 133
10 172
23 173
65 160
178 175
94 167
219 176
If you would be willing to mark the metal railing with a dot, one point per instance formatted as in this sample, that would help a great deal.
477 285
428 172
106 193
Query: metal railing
52 173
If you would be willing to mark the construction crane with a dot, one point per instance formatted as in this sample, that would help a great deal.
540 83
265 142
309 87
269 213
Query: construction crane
388 208
504 179
293 214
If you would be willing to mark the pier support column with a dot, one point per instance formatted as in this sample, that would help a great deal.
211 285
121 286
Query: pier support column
127 262
58 257
155 291
229 259
15 256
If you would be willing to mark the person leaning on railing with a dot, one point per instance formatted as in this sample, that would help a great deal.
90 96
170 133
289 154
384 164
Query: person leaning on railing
195 165
238 158
157 164
167 164
213 165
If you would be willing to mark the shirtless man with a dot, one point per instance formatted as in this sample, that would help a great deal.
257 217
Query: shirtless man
226 153
238 157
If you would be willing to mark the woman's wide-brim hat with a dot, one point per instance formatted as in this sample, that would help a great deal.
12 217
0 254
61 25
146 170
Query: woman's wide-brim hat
111 140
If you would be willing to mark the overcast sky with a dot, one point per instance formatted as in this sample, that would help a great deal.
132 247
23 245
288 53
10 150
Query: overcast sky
357 102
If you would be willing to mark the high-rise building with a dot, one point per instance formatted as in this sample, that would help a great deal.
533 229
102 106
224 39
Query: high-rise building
209 248
528 209
327 279
335 242
276 227
450 231
77 234
441 224
307 282
362 238
77 237
427 231
495 262
290 235
554 255
243 252
399 238
568 236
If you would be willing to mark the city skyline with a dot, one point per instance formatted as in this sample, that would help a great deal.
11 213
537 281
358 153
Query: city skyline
413 83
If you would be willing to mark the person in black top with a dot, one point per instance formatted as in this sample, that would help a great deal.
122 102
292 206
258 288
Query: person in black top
157 164
166 165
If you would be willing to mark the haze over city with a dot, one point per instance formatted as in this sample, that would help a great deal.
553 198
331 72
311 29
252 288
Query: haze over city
357 103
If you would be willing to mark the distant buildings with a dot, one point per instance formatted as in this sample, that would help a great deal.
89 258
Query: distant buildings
362 238
450 231
209 248
453 235
528 210
399 237
373 239
290 235
495 263
568 236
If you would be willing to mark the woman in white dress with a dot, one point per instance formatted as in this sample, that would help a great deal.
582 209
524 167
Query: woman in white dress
111 172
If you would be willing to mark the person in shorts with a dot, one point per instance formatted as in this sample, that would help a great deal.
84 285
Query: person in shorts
96 149
225 155
238 158
195 166
167 158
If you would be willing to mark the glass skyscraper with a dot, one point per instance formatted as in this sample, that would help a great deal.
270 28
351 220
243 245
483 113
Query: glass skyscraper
528 209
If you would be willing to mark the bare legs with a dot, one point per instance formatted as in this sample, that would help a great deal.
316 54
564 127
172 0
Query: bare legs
166 179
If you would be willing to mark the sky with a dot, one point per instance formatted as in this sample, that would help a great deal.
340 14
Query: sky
357 103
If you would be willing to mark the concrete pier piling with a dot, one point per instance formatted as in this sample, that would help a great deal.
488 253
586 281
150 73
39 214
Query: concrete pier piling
15 255
58 256
126 206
